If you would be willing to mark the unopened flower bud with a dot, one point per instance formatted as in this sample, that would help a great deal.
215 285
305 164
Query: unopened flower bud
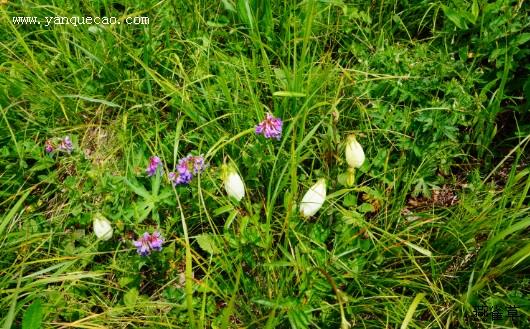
313 199
233 183
102 227
354 152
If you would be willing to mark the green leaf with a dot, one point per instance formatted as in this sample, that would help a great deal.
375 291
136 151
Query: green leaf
140 190
42 164
365 207
298 319
11 214
455 17
475 9
207 243
228 6
288 94
223 209
124 281
32 318
130 297
350 200
521 39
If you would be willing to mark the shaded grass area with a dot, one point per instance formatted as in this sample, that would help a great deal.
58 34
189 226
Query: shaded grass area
435 225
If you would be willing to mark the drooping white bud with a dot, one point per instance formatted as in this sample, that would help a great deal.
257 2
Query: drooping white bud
102 227
354 152
313 199
233 183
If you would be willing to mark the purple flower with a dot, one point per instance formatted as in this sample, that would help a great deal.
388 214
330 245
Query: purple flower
148 242
66 145
154 164
183 174
156 241
197 162
179 178
48 147
186 168
271 127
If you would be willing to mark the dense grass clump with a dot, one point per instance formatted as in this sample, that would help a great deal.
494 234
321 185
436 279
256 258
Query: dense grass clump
170 174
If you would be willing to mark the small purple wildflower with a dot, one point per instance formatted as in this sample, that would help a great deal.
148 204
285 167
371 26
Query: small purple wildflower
154 164
197 162
66 145
156 241
48 147
271 127
148 242
183 174
186 168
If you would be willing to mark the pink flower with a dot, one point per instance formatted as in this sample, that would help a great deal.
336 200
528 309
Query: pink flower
154 164
48 147
271 127
148 242
66 145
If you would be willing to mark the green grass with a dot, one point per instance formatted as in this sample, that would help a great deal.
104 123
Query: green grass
436 224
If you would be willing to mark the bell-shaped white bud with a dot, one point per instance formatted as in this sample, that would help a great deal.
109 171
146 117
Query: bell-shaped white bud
233 183
102 227
354 152
313 199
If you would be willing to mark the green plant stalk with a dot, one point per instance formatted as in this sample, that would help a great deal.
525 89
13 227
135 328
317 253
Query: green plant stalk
189 270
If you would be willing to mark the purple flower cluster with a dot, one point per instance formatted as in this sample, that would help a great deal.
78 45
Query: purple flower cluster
64 144
186 168
154 164
271 127
148 242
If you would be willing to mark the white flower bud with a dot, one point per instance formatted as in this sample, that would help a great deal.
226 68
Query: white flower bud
354 152
102 227
233 184
313 199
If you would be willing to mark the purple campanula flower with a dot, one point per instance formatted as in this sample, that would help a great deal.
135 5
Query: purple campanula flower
66 145
271 127
147 242
154 164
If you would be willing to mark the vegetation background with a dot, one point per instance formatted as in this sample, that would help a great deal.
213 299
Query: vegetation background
437 223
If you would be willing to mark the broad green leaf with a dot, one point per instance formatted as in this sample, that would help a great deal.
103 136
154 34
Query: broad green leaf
455 17
365 207
521 39
207 243
32 318
130 297
140 190
228 5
